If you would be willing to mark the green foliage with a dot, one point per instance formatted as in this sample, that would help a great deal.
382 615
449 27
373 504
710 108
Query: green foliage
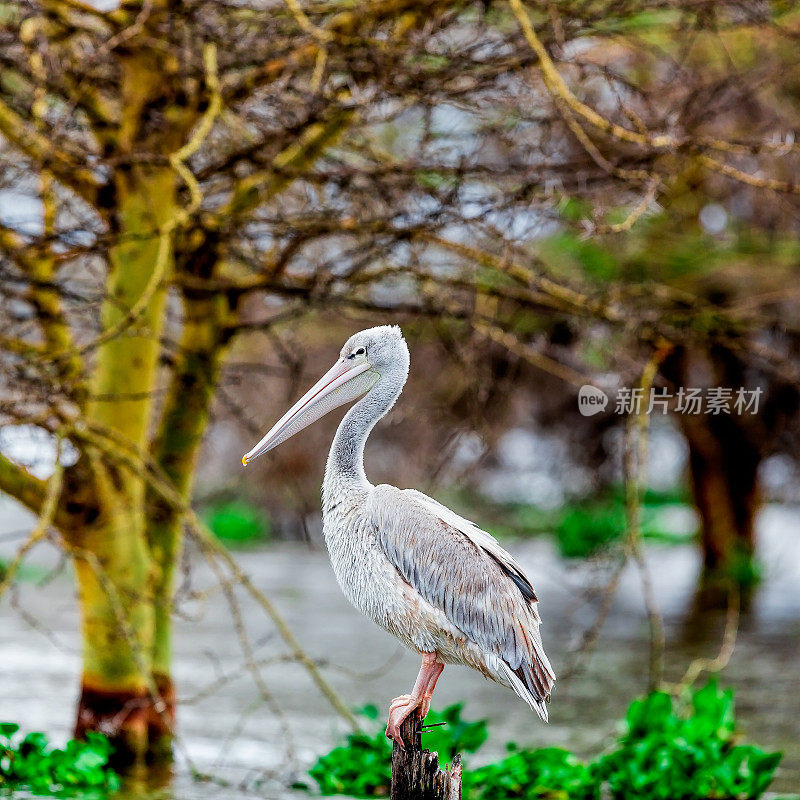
585 256
587 527
665 754
361 767
27 762
431 179
583 527
549 772
456 735
669 756
24 572
574 209
744 570
237 521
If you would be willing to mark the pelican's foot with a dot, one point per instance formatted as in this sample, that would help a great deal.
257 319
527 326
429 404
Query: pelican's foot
399 710
399 702
424 706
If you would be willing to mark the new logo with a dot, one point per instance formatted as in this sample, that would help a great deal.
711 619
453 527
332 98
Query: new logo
591 400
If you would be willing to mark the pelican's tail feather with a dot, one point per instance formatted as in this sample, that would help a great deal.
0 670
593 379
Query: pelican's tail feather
520 686
532 681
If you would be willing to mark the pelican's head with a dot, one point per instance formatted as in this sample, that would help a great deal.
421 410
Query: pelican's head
366 357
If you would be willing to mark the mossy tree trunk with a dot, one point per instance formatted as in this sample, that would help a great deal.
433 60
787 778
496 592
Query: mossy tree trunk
112 558
176 448
119 563
126 561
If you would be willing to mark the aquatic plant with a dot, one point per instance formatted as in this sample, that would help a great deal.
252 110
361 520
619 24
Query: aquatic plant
361 767
669 751
237 522
29 762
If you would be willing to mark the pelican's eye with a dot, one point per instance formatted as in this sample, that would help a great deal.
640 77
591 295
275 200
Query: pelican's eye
360 352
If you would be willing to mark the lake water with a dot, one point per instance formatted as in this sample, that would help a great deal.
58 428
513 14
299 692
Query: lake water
229 731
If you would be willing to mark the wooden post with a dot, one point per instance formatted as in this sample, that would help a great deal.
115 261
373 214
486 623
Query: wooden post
415 772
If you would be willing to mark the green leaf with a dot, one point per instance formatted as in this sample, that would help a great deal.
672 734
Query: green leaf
652 713
237 521
8 729
370 711
80 765
34 742
670 751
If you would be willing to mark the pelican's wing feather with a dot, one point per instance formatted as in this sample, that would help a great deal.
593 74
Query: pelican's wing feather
465 573
482 539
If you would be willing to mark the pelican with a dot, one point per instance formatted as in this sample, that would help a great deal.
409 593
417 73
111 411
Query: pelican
441 585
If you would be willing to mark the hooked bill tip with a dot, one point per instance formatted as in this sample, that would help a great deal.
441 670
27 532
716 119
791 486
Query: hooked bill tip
244 461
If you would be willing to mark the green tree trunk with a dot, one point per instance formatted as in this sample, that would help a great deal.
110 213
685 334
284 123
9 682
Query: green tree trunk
176 450
113 562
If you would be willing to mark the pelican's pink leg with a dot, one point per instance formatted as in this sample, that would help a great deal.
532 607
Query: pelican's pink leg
425 706
420 697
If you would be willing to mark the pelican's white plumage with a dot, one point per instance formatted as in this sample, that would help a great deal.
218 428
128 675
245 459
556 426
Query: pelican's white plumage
430 577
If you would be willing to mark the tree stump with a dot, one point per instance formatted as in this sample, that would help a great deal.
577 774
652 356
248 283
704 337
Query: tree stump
415 772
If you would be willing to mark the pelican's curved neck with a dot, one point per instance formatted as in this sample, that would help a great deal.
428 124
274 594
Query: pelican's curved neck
344 472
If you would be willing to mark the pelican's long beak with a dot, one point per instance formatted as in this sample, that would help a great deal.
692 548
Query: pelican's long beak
343 382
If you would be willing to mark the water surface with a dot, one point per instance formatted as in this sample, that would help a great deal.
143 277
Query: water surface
230 731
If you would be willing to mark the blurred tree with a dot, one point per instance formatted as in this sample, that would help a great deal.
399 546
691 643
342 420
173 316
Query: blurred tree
180 174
